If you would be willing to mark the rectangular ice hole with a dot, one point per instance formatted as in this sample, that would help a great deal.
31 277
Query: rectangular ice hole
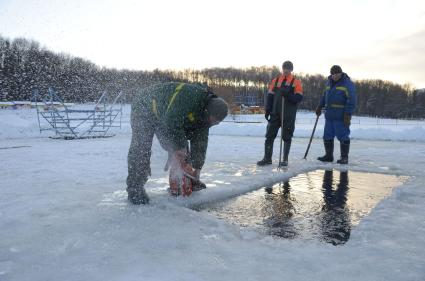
322 204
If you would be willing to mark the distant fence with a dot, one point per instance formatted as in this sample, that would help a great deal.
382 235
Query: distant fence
259 118
371 121
67 123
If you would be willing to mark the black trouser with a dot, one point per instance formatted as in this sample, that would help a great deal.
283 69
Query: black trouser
273 127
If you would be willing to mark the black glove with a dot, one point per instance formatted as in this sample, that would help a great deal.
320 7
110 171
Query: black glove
318 110
267 116
347 119
286 94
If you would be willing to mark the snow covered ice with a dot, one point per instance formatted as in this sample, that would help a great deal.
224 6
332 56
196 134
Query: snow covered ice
64 213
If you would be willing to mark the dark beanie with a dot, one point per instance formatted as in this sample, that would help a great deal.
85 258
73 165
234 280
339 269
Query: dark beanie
288 65
336 69
217 108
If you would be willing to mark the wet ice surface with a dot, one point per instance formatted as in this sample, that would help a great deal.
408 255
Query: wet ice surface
322 205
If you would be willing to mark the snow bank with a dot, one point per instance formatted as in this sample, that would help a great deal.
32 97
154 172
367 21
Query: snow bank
18 123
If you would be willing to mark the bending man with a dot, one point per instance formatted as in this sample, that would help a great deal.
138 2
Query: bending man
180 115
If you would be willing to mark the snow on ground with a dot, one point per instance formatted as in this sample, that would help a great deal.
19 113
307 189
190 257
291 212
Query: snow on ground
25 125
64 213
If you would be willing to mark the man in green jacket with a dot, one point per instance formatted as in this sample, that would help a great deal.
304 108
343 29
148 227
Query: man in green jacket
178 114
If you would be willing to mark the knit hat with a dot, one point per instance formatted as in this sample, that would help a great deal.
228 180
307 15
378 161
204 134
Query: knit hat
217 108
336 69
288 65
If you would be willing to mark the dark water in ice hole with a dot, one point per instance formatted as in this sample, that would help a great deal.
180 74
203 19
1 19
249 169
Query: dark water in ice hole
322 205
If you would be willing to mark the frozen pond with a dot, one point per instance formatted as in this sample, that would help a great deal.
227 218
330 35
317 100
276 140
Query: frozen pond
321 204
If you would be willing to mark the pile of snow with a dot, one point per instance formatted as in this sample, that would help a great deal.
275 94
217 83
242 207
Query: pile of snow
18 123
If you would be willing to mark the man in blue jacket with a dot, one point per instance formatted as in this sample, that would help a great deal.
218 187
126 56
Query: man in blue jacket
339 101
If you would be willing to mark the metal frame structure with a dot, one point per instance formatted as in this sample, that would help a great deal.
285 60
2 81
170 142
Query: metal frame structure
70 123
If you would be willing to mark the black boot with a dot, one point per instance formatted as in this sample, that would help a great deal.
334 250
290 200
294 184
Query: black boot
345 149
137 196
286 149
268 151
329 150
196 186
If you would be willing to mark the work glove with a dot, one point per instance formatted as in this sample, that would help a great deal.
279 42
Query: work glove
267 116
347 119
182 174
180 157
286 94
318 110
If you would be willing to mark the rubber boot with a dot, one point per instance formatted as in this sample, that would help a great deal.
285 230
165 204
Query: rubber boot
329 150
345 149
137 196
286 149
268 151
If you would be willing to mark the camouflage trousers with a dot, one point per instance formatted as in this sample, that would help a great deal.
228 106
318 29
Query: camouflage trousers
144 125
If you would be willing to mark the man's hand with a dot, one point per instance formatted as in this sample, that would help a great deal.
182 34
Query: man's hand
267 116
286 94
318 110
180 158
347 119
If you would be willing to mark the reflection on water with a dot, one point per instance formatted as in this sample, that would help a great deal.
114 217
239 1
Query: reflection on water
335 220
322 205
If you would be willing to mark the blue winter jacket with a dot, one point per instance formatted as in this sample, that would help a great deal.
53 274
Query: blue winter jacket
339 97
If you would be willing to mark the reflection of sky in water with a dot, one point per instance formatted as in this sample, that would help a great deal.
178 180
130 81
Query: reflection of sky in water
321 204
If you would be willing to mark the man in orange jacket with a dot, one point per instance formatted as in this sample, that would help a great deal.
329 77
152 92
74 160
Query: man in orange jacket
284 92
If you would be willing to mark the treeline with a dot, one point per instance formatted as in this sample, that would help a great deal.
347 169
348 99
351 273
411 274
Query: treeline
25 65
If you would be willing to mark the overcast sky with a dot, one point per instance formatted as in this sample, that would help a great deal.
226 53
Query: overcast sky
369 39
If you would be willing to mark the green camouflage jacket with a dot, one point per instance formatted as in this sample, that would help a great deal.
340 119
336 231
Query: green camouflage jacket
179 109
